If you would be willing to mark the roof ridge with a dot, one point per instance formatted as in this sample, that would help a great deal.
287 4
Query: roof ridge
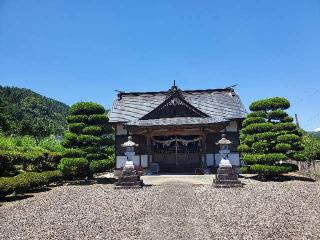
228 89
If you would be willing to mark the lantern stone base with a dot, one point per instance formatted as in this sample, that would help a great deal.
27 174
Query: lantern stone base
226 178
128 179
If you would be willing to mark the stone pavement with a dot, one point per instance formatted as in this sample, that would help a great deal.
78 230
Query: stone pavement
178 179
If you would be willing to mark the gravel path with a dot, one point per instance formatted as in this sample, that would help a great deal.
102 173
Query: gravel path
272 210
175 214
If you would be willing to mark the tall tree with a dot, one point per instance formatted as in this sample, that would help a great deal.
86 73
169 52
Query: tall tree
269 136
89 137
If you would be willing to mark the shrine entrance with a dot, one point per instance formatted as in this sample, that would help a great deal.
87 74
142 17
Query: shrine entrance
177 153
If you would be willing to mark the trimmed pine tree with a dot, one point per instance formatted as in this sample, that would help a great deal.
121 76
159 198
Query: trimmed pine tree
88 141
268 137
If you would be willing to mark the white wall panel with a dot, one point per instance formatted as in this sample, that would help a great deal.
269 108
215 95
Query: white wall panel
144 161
234 159
121 161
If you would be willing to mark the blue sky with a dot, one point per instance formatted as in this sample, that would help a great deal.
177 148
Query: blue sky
83 50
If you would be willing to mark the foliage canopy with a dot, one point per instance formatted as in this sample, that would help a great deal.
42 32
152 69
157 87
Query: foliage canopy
269 136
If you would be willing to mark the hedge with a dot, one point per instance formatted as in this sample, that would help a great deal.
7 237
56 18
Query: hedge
260 147
93 130
244 148
270 171
288 138
258 128
263 158
76 127
97 119
284 127
86 108
288 119
77 119
88 139
27 181
74 167
33 160
99 166
95 156
264 136
262 114
251 120
270 104
73 153
283 147
277 114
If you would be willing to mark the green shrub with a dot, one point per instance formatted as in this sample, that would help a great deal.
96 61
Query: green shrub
260 147
74 167
288 119
288 138
262 114
77 119
269 158
87 108
70 139
284 126
270 171
99 166
268 136
283 147
249 140
51 144
96 119
251 120
277 114
76 127
300 156
27 181
88 139
258 128
95 156
73 153
244 148
93 130
270 104
245 170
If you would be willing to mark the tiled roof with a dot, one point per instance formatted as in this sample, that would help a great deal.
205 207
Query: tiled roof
219 104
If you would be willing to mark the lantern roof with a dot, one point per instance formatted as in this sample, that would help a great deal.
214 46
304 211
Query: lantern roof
129 143
224 141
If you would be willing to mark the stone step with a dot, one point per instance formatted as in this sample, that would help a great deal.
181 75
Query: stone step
138 183
222 185
129 177
135 181
226 177
225 171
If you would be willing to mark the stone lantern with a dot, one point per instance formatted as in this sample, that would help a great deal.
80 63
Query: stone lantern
224 151
226 176
129 177
129 145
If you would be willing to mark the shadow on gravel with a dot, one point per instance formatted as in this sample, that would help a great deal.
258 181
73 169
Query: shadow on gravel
14 198
283 178
102 180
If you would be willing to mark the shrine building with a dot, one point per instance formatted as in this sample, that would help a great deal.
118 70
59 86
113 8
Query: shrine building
178 129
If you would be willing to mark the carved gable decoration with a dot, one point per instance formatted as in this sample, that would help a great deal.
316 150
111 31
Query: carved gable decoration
174 106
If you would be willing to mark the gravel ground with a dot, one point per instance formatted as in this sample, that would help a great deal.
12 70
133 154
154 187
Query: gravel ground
260 210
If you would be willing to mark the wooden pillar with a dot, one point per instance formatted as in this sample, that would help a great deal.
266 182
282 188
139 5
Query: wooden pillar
205 150
149 148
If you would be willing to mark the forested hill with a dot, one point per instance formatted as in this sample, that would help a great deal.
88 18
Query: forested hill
316 135
24 112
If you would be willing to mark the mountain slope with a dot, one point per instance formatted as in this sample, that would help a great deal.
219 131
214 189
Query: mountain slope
24 112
